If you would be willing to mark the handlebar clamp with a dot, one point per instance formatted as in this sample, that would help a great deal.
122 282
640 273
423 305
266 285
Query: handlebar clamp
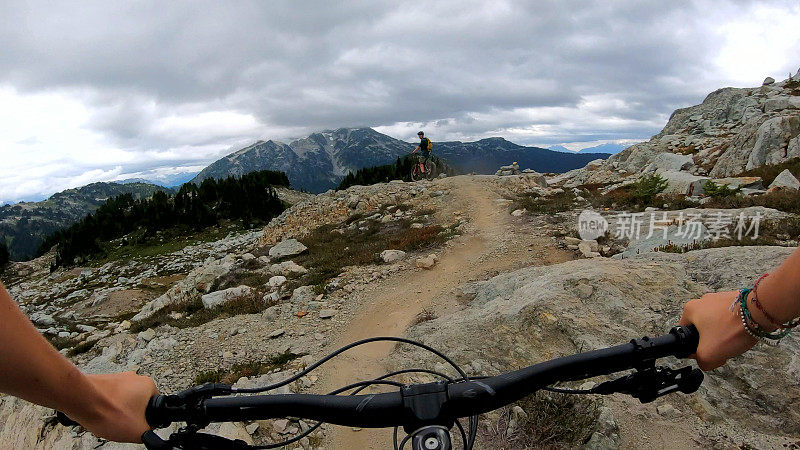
423 403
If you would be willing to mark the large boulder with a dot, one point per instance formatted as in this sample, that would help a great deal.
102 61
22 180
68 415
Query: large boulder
683 183
534 178
287 248
218 298
772 140
740 182
537 313
670 161
785 180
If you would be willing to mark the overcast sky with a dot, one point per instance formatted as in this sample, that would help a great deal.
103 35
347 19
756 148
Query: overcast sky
111 90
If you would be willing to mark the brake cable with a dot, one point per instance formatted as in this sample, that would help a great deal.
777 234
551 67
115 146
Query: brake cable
473 420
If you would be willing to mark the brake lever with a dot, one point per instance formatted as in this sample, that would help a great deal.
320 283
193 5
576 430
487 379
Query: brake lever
650 383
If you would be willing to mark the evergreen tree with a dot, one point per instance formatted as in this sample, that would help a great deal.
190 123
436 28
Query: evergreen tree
250 198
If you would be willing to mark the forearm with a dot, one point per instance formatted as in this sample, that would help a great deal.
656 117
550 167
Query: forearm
30 368
779 293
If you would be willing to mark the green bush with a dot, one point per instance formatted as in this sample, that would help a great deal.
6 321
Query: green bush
715 190
648 187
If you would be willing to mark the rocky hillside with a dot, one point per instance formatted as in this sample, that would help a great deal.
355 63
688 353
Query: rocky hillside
319 162
24 225
733 130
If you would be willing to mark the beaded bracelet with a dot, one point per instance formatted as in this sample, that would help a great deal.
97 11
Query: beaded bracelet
788 325
753 328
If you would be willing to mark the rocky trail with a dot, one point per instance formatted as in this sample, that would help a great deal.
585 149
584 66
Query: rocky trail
388 307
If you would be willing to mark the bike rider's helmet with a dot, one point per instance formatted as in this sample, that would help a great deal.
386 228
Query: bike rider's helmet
420 133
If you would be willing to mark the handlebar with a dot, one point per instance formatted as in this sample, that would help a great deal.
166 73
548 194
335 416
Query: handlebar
441 403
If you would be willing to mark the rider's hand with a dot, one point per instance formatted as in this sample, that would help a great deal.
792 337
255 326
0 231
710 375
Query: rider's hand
119 415
722 335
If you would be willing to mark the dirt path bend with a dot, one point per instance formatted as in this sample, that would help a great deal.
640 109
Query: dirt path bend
389 306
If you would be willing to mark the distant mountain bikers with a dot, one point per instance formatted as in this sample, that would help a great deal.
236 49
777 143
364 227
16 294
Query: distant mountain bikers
424 168
425 146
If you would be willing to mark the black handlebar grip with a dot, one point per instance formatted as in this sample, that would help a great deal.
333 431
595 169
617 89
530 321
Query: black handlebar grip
154 413
63 419
687 340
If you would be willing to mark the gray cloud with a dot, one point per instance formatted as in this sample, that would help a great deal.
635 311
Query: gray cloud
563 70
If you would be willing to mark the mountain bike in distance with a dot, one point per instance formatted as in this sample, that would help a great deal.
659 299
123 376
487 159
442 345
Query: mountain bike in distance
423 168
426 412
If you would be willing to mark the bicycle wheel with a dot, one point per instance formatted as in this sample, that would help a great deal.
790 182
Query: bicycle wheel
415 173
430 170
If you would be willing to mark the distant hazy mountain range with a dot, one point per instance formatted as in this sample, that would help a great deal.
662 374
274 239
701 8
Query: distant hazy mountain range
169 180
24 225
609 148
319 162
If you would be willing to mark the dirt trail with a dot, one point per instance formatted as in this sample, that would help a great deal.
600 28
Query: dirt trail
390 306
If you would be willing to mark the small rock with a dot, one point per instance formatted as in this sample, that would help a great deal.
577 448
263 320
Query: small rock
518 212
280 425
277 333
303 294
251 429
391 256
288 268
147 335
327 313
768 81
277 281
427 262
42 319
219 297
667 411
286 248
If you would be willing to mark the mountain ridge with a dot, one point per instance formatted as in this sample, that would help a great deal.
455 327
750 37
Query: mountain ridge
319 161
24 225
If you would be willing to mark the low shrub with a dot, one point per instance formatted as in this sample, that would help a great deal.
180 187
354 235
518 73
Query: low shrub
553 421
715 190
768 173
783 200
537 204
192 314
331 249
647 188
245 369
